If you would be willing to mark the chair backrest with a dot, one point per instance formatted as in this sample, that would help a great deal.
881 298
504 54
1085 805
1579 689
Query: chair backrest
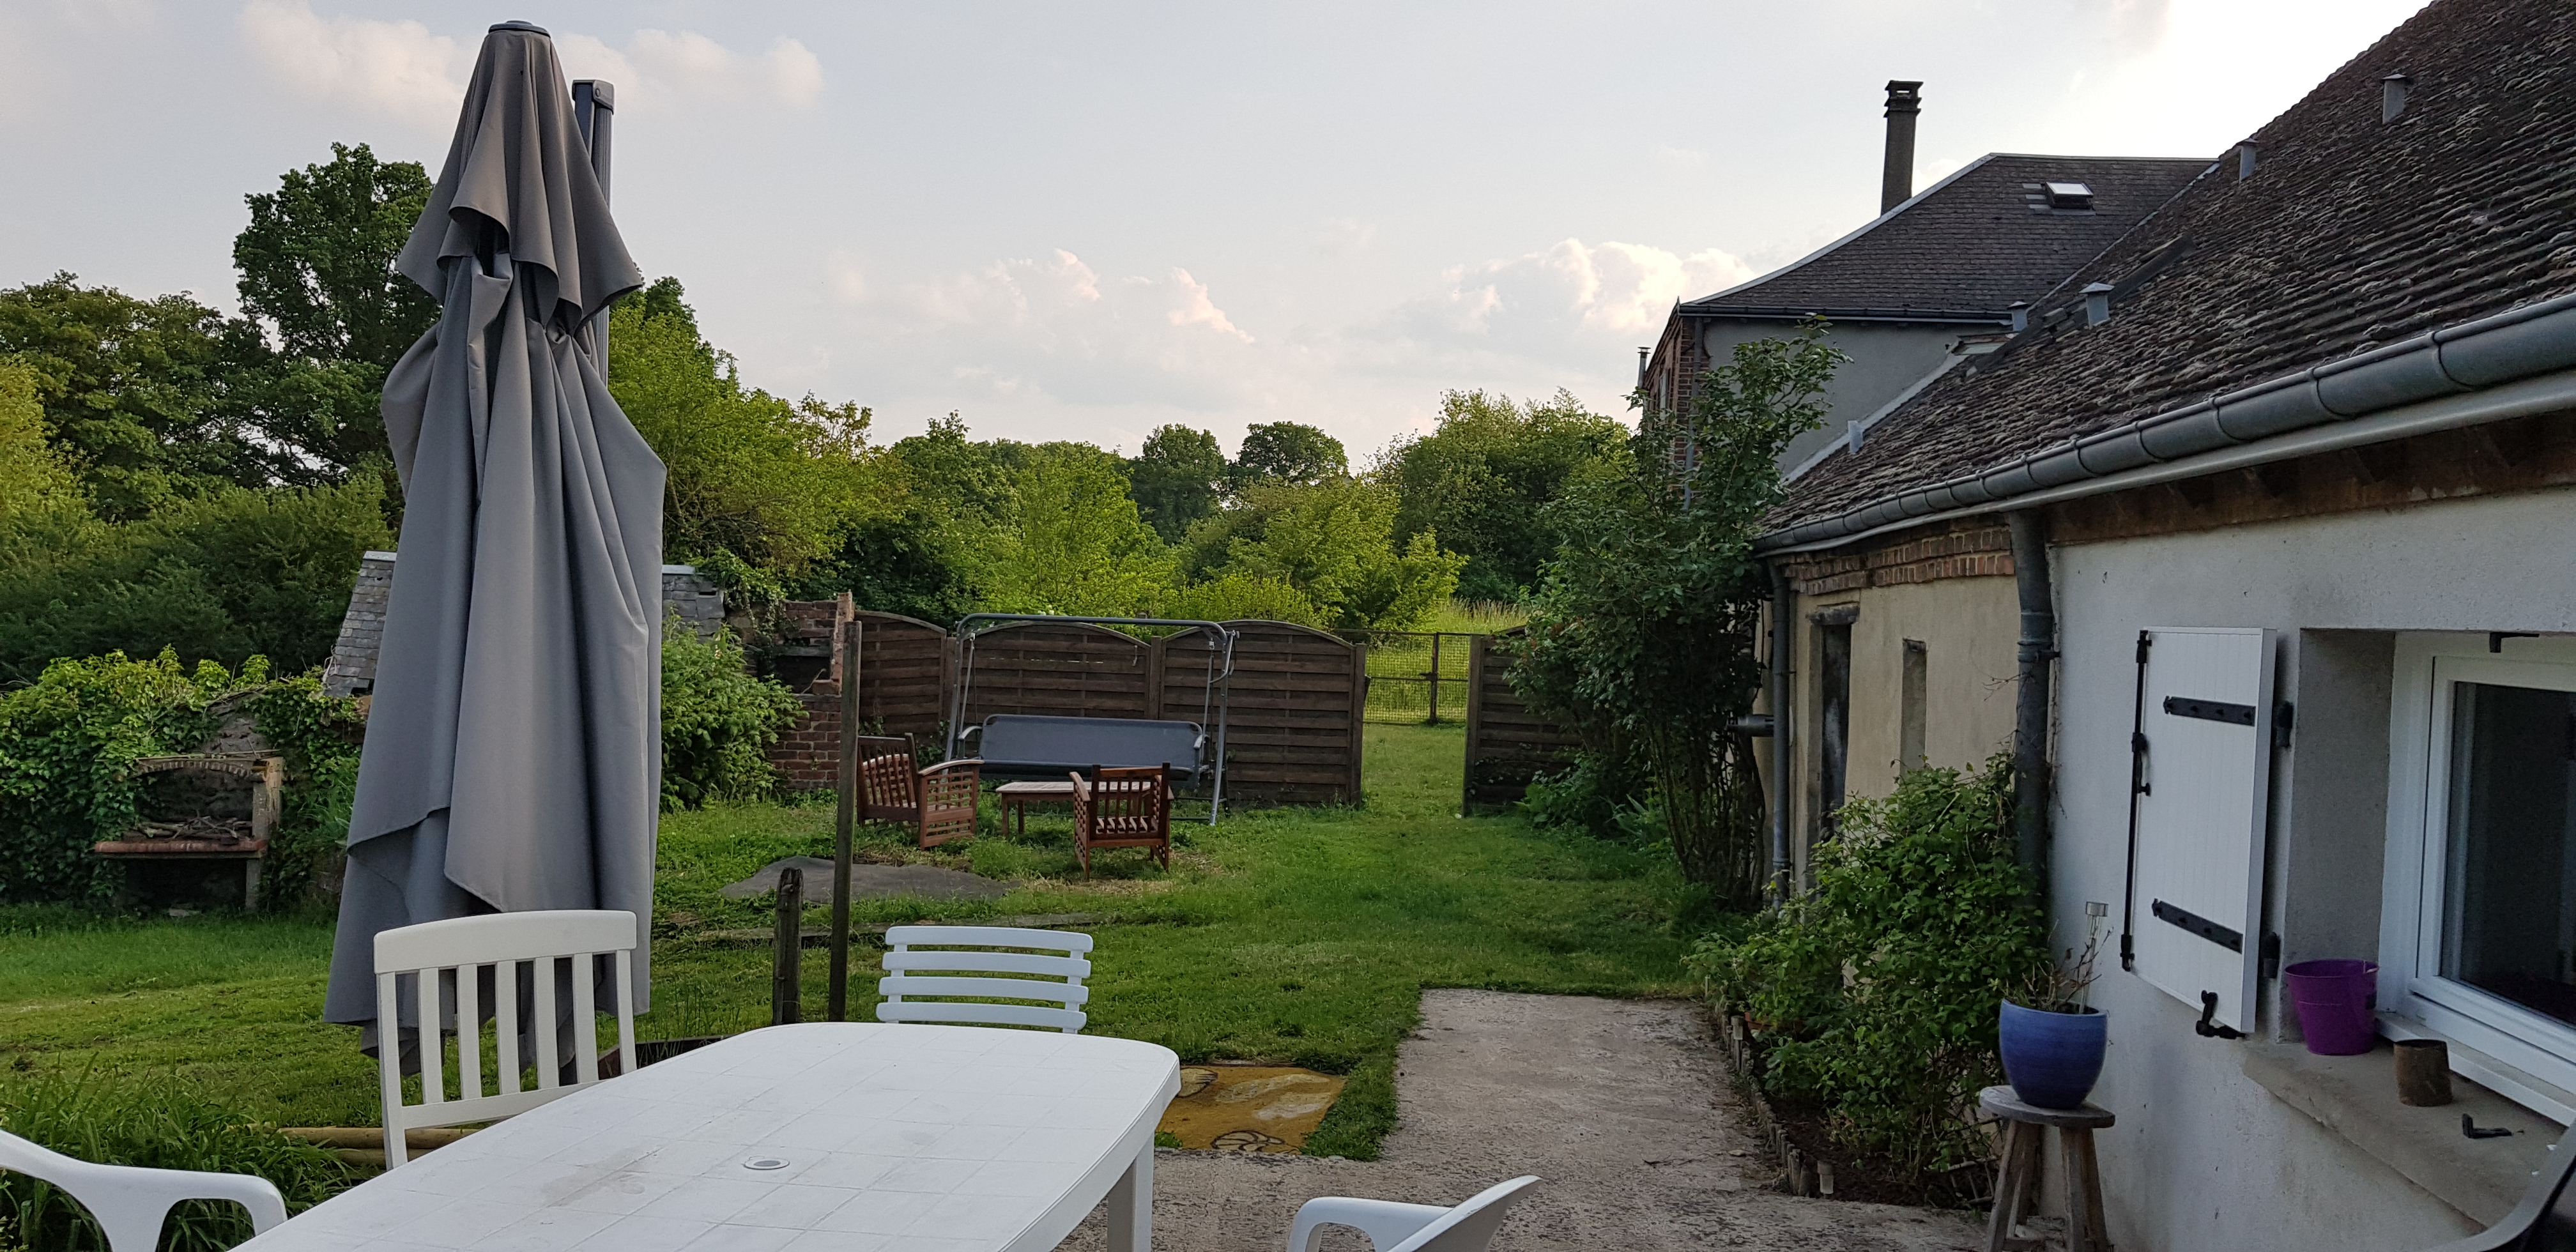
131 1203
1124 800
1028 743
1470 1226
529 956
922 961
889 788
949 793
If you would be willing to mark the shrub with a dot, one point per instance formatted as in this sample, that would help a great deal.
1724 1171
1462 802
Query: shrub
717 720
158 1124
1879 989
319 736
1237 597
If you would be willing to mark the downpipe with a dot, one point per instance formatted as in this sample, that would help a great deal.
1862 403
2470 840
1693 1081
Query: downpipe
2035 653
1784 604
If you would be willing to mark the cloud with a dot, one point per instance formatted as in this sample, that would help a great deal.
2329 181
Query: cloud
659 68
1343 236
1051 327
402 69
398 69
1555 308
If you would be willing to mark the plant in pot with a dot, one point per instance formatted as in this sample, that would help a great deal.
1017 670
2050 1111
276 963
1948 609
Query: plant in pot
2051 1036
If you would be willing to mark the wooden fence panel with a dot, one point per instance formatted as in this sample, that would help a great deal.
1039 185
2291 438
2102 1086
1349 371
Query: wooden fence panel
905 668
1294 710
1507 744
1058 669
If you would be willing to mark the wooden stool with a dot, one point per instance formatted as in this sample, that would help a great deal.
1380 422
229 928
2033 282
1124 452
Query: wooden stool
1017 797
2017 1190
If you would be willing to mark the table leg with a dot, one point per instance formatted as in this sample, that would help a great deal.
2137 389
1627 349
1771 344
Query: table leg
2084 1194
1131 1206
2016 1186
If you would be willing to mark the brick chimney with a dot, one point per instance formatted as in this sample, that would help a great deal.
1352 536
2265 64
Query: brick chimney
1904 101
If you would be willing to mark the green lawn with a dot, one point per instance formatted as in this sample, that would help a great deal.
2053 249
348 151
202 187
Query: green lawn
1291 936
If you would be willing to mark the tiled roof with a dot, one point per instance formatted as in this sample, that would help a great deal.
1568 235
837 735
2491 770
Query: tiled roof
2350 234
1972 242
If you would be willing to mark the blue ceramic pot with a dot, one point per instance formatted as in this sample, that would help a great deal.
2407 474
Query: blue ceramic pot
2053 1059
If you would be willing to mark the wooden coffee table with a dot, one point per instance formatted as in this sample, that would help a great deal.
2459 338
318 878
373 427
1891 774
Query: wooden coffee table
1017 797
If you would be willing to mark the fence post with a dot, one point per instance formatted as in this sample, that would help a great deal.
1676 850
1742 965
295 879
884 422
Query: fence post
1435 680
786 986
836 1005
1475 719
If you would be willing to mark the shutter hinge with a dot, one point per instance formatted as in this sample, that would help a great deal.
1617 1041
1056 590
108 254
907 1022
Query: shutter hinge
2128 953
2270 966
2284 716
2137 764
2206 1027
2146 640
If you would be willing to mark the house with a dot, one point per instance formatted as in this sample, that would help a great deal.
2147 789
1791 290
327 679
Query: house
1936 276
2253 546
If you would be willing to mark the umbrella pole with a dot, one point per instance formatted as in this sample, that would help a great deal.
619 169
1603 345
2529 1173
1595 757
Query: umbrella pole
594 109
838 1007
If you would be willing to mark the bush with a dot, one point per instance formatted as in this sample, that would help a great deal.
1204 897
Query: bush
319 736
717 720
65 745
1238 597
1590 795
1878 990
158 1124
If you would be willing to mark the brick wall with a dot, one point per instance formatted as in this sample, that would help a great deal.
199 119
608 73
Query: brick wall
808 755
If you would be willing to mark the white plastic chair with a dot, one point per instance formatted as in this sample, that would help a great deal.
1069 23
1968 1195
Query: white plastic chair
1394 1227
131 1202
913 972
439 957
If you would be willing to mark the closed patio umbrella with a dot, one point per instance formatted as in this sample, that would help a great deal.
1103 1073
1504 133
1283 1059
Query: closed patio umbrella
513 754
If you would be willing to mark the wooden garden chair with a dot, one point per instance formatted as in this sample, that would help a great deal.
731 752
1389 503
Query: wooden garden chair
1123 808
938 802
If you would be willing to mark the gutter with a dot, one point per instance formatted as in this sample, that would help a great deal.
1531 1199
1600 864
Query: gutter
2506 365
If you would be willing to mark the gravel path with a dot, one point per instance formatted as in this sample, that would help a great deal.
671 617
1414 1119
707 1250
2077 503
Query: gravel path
1621 1105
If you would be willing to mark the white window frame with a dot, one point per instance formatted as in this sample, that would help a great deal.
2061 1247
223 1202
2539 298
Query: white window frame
2526 1056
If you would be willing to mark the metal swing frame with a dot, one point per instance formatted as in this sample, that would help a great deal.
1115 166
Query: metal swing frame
1213 696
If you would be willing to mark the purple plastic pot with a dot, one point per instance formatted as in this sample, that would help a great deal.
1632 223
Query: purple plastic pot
2336 1001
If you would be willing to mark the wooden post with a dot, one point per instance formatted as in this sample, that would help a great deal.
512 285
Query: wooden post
1435 679
1475 719
786 985
837 1005
1359 723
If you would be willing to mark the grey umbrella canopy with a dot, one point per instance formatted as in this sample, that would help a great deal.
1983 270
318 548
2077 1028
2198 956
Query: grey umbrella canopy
513 754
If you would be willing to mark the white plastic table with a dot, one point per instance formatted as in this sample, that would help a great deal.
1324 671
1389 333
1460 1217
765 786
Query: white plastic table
850 1136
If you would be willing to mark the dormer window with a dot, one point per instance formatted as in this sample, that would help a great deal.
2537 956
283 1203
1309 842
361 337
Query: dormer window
2070 197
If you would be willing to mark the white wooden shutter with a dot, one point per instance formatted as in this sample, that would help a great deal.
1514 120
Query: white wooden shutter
2196 900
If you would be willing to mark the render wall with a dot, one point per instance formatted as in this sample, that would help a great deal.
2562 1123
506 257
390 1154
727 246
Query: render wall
1885 360
2203 1155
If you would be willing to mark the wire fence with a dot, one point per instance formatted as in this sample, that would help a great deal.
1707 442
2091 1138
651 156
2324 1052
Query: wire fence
1415 676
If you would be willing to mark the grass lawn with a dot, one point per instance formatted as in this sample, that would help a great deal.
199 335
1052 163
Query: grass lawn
1296 936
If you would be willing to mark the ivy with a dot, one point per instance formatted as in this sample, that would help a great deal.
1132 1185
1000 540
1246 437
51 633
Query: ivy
1878 990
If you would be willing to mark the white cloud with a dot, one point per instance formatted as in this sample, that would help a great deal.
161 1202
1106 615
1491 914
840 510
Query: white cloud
398 69
658 68
1558 305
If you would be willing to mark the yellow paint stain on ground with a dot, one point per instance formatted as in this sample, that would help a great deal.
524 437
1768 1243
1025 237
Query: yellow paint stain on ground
1249 1108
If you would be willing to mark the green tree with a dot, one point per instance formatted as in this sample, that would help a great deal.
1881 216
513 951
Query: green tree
134 391
1074 542
1334 543
33 478
1176 478
1483 478
317 260
1286 452
1642 633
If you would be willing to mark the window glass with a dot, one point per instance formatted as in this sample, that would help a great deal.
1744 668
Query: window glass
2509 924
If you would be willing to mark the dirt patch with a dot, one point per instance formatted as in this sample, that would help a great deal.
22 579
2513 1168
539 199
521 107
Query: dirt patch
1249 1108
1622 1106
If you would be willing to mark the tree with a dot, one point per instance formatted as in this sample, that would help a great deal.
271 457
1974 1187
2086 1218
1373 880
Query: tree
1333 543
134 391
32 478
1483 478
1075 543
317 260
1286 452
1175 479
1642 633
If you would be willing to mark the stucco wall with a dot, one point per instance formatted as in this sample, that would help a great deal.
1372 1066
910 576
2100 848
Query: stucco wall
2204 1157
1885 360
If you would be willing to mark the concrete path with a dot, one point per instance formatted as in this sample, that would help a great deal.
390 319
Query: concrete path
1621 1105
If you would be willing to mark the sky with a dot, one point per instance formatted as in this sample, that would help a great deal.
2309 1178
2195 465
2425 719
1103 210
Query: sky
1084 221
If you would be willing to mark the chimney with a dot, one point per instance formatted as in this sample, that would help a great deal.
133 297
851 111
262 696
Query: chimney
1896 186
2020 310
2392 97
2097 303
2245 153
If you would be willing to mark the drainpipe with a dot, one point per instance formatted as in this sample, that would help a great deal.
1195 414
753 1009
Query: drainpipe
2030 710
1784 605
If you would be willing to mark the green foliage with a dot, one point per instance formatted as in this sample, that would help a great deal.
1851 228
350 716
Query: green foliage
33 478
227 575
1334 543
717 720
1175 479
65 747
1880 987
1642 634
774 484
1074 542
156 1123
317 260
1286 452
319 736
1589 795
1483 478
1237 596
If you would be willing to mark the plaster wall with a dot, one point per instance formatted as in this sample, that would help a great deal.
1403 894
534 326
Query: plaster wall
1885 360
2203 1156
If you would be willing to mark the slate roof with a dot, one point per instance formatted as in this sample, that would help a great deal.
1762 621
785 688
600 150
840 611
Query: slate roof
2350 234
1970 244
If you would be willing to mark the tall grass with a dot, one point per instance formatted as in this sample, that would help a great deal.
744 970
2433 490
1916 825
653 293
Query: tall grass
1479 617
121 1119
